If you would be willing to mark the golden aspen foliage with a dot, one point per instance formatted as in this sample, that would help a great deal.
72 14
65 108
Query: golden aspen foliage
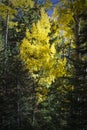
65 14
7 10
47 4
38 55
4 9
41 94
11 9
41 29
22 3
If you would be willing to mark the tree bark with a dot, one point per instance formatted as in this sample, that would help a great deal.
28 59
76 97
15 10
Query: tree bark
6 37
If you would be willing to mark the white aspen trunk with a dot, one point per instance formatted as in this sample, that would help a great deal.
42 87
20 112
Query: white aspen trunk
6 38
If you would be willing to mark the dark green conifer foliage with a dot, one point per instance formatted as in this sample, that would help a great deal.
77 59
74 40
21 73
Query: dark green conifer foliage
16 84
78 98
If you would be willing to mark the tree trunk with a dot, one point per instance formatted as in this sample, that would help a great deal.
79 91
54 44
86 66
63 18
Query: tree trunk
33 105
6 37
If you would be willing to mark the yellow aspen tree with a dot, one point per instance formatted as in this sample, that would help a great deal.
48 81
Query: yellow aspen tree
38 55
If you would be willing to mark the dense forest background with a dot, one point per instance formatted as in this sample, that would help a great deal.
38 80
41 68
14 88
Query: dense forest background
43 65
